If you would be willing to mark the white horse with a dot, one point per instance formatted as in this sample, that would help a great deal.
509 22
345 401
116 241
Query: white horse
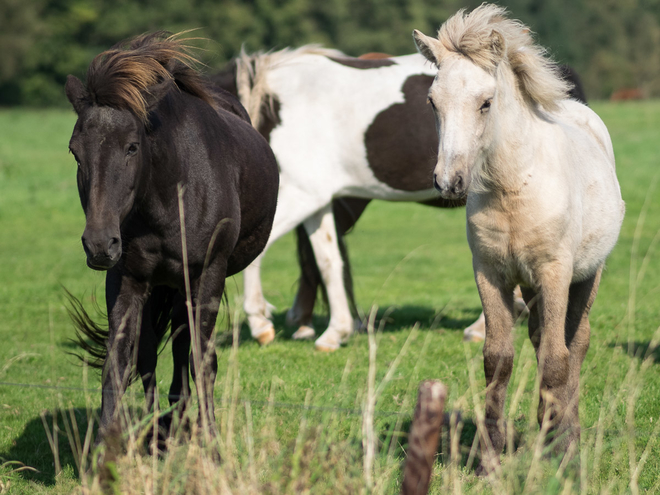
544 207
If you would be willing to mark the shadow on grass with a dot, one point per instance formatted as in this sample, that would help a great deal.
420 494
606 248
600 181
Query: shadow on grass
640 350
32 447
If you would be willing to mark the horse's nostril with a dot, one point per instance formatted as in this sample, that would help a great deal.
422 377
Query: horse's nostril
113 246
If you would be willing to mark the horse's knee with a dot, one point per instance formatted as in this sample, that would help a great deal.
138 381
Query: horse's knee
498 362
555 369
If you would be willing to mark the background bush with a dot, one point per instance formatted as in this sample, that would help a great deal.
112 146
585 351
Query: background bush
612 43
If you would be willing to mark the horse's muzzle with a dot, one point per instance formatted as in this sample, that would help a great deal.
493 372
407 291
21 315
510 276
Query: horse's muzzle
102 250
455 188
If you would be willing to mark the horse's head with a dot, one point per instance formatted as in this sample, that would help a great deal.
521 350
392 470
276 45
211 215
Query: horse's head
488 68
461 96
124 86
109 147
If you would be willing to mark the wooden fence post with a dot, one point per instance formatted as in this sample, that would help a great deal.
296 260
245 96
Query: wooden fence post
423 438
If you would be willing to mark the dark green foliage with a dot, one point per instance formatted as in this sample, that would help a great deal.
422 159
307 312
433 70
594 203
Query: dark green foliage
612 43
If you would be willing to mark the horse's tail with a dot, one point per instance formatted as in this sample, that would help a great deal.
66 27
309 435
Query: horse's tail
92 337
251 71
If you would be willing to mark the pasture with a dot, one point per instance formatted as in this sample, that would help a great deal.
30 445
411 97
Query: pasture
290 417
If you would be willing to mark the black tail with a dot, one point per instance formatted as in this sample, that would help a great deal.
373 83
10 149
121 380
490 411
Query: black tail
92 337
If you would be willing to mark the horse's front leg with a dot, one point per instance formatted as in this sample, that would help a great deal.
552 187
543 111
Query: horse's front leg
497 302
207 294
294 205
552 353
125 301
323 237
578 331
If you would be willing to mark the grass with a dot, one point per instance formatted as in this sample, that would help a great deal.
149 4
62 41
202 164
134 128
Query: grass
290 417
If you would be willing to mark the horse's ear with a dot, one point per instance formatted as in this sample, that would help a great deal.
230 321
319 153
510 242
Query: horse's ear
431 48
497 45
76 93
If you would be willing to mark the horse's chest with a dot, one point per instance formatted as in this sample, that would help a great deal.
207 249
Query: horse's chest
511 242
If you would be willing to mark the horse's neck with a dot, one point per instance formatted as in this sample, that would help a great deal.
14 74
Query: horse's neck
510 158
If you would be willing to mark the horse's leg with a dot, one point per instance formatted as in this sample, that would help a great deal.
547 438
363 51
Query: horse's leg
323 236
207 293
581 298
552 354
293 207
300 314
346 212
497 302
180 388
147 355
125 299
476 332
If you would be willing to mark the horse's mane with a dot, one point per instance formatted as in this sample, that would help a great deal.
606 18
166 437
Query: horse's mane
470 34
251 70
128 74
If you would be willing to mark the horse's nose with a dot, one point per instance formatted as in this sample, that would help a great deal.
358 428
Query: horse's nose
102 248
458 185
435 182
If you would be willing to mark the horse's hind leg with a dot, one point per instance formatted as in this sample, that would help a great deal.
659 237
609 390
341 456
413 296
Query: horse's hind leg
180 388
498 353
323 236
346 212
578 331
301 312
293 207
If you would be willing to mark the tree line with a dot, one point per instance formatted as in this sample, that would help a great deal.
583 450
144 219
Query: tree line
613 44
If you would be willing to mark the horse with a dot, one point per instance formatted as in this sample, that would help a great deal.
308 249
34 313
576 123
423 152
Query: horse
544 207
348 210
325 115
179 192
401 126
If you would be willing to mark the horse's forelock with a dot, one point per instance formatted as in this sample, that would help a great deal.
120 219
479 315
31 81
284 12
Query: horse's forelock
473 35
124 76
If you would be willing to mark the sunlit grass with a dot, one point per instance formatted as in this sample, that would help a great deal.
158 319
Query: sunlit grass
414 263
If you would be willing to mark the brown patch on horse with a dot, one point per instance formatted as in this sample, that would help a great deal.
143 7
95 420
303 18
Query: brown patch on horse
131 75
402 140
374 56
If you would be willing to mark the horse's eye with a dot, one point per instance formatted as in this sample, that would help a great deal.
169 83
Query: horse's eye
486 106
430 101
132 149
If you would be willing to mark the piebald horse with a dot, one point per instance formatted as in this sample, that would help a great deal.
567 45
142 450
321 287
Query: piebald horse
544 207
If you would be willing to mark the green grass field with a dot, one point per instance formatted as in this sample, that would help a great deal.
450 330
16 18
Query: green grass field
411 261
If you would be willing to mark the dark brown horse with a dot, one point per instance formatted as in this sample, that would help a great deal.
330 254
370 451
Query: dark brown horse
156 144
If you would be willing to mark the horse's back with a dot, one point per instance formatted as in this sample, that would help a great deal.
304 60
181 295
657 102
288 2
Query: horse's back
592 170
581 116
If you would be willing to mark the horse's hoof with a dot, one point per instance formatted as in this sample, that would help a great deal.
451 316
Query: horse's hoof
322 348
266 337
327 343
304 333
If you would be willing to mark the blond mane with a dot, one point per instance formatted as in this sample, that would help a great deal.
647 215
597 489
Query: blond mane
472 35
251 70
124 76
